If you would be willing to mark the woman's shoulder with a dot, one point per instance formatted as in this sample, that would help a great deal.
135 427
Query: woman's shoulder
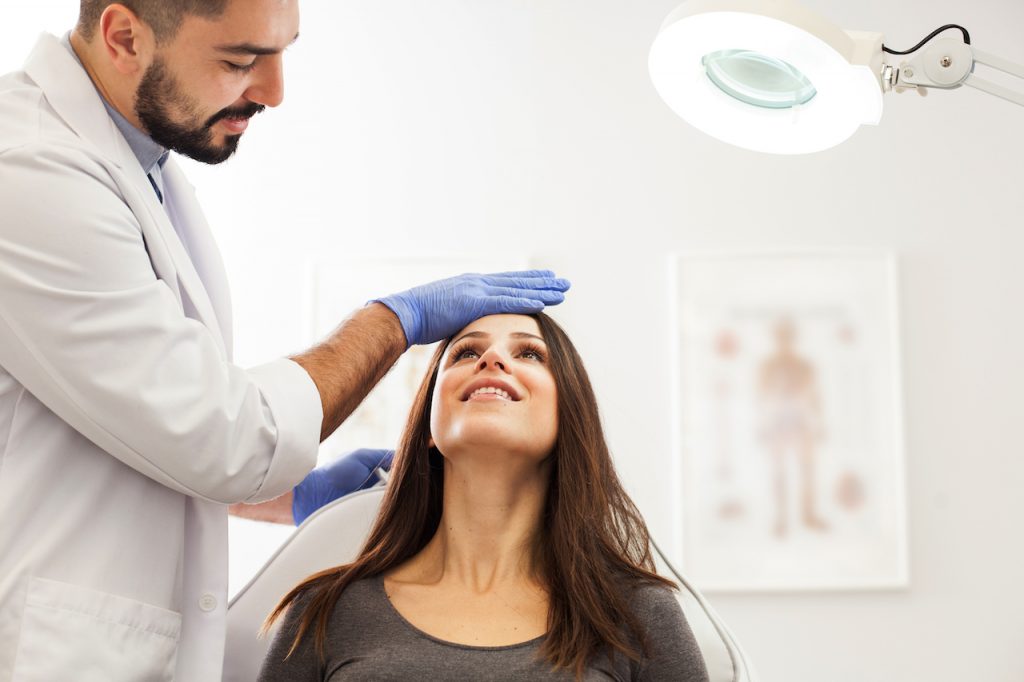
650 599
359 597
672 651
352 626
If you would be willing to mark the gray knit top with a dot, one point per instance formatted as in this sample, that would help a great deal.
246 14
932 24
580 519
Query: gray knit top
369 641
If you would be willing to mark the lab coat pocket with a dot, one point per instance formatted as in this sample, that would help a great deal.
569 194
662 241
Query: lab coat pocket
71 632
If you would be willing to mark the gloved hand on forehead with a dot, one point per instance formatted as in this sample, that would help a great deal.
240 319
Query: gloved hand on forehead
347 474
435 311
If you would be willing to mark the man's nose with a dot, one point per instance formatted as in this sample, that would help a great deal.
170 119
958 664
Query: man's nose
268 87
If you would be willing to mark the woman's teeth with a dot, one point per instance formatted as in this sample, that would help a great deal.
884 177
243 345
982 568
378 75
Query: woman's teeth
491 389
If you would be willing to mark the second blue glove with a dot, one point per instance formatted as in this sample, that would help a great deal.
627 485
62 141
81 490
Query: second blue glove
354 471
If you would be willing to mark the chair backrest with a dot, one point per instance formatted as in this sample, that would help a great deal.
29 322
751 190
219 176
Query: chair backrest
335 534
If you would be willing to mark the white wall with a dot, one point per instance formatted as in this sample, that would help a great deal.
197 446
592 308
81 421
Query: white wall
478 126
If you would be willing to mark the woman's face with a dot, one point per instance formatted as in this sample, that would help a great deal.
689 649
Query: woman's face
495 392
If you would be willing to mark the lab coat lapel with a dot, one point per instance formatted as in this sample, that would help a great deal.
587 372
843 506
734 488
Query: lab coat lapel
70 91
206 258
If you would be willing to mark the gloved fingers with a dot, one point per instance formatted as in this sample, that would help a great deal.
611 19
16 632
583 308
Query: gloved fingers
545 296
371 480
531 283
545 274
434 311
380 459
372 458
353 471
510 305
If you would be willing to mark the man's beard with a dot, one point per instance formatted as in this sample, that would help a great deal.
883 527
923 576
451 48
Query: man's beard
159 93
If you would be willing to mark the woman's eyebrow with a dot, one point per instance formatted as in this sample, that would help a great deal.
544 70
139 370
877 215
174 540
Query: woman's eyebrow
473 335
524 335
485 335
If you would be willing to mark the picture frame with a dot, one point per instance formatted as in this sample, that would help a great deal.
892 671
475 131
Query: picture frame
788 436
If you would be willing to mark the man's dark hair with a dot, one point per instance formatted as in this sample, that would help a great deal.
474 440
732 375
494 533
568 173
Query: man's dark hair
163 16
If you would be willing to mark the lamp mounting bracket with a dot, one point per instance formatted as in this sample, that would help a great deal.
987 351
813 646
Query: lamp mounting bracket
948 63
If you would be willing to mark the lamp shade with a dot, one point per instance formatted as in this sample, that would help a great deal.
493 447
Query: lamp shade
767 75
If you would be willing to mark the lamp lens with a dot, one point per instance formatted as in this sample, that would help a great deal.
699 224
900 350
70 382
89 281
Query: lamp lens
758 79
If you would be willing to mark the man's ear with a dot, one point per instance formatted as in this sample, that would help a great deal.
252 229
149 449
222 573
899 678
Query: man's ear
127 41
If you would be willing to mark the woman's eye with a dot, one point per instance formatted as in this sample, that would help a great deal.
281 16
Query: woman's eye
530 354
468 353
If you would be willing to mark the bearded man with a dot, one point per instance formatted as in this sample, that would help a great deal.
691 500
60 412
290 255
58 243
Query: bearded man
126 431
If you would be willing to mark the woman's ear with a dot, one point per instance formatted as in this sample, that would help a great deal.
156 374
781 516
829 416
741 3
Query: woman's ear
430 443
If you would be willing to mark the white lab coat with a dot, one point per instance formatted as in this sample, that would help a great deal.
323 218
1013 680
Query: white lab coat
124 427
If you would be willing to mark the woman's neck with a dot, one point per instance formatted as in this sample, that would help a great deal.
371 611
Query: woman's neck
492 513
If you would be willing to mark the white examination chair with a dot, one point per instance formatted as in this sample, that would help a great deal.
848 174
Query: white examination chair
334 535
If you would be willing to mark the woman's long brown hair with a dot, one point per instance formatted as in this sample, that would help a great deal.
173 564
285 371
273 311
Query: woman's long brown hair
593 547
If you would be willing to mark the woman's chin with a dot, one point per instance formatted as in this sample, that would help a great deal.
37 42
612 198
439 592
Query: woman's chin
490 444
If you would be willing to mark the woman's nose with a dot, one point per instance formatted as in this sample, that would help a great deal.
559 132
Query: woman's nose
492 358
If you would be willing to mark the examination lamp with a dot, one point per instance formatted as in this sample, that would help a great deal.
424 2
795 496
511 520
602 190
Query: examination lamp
774 77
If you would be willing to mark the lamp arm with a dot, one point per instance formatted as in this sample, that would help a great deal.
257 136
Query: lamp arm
1004 65
988 86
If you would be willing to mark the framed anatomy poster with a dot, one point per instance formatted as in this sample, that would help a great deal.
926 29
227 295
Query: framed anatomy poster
787 417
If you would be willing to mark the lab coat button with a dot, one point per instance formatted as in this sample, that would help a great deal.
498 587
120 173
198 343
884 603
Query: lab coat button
207 602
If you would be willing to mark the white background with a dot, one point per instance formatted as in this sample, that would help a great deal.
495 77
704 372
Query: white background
530 125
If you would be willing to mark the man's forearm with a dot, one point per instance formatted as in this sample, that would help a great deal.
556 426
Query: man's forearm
350 362
277 510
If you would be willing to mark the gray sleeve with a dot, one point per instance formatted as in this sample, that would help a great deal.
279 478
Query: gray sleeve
304 664
673 653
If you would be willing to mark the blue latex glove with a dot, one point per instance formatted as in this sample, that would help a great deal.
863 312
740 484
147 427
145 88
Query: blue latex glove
435 311
354 471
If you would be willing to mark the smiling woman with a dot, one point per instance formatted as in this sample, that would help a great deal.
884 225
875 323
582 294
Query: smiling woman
505 547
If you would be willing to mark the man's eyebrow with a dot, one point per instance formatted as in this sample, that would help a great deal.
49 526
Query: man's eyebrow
245 49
